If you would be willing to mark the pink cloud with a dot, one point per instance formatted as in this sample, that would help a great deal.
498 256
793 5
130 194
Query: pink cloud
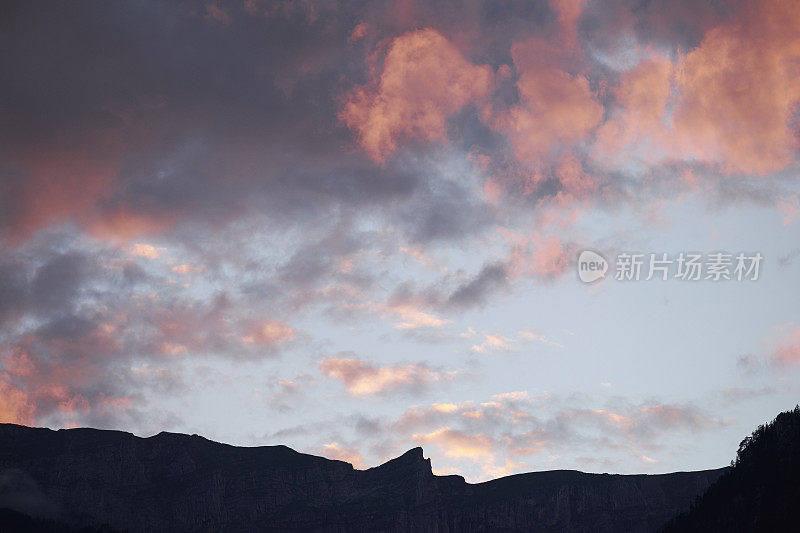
789 208
267 332
360 378
122 224
425 79
64 179
538 337
492 344
333 450
739 90
214 12
539 255
457 444
145 250
787 350
16 405
728 102
558 108
637 130
411 316
358 32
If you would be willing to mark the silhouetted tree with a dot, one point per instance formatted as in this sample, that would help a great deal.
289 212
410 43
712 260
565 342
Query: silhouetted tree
761 492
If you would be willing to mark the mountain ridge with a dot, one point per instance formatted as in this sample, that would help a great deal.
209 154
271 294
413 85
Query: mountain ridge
113 480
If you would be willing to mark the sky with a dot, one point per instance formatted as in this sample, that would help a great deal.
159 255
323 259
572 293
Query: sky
353 228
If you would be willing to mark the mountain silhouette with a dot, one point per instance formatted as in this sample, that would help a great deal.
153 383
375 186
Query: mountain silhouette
760 492
97 480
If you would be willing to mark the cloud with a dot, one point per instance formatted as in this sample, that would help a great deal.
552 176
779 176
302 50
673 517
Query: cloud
409 313
15 405
780 350
47 182
739 89
789 208
492 344
787 350
506 469
361 378
457 444
542 256
636 132
558 109
333 450
425 79
476 291
514 425
145 250
187 269
189 206
538 337
267 333
727 102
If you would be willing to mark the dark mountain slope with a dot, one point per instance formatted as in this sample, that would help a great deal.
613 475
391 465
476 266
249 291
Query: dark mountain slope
174 482
761 492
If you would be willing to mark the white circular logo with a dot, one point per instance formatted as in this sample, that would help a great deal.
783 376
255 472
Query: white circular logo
591 266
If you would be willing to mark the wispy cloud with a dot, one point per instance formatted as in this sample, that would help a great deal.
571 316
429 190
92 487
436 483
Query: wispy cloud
361 378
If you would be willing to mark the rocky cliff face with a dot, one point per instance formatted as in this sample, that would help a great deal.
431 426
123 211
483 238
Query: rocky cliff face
174 482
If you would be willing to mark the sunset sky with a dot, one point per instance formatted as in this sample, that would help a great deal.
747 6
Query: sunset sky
353 227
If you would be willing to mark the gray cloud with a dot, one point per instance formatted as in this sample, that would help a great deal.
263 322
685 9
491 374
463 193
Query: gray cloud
476 291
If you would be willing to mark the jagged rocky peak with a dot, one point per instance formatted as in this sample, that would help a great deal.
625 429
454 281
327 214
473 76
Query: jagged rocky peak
413 460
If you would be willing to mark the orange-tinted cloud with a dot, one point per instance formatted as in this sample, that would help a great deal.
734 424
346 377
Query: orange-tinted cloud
59 180
333 450
457 444
538 337
360 378
492 344
787 351
539 255
739 89
142 249
729 102
15 405
636 131
52 372
187 269
558 108
568 12
267 333
358 32
789 209
425 79
123 224
409 314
